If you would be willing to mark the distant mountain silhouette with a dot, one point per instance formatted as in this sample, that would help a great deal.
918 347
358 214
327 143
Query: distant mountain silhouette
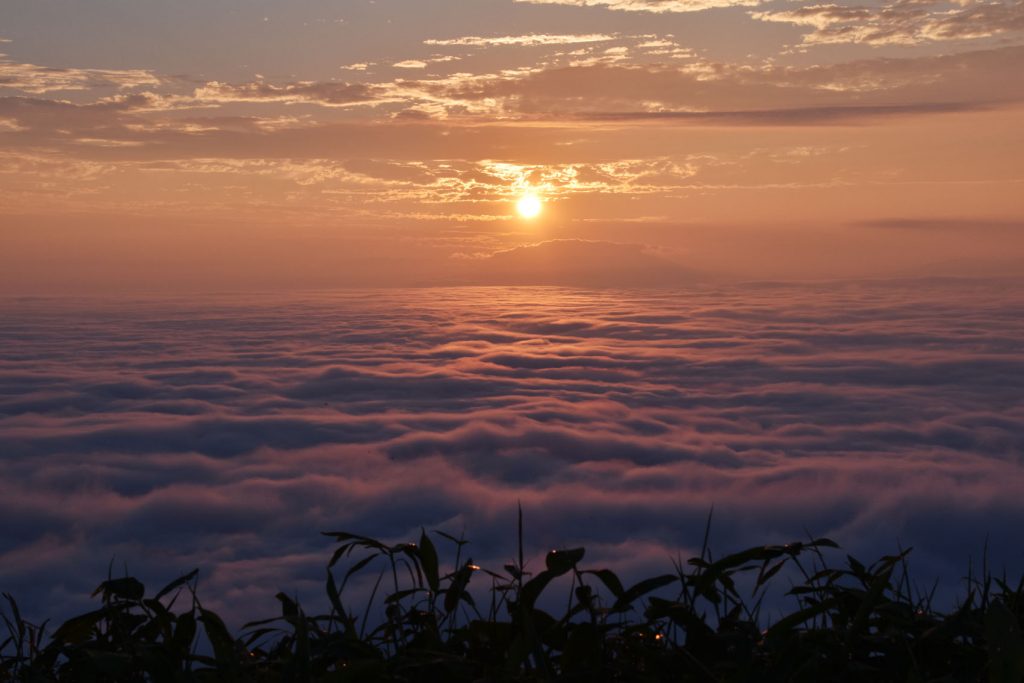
574 262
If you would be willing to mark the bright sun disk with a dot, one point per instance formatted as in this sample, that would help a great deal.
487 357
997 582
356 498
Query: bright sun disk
529 206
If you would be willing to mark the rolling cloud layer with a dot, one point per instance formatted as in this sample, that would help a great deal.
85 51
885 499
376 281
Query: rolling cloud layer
226 432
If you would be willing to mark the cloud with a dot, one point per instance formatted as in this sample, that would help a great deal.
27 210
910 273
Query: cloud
34 79
707 89
331 94
653 6
613 85
616 417
523 40
460 147
904 22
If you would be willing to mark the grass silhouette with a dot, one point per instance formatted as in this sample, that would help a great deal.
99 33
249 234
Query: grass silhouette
424 619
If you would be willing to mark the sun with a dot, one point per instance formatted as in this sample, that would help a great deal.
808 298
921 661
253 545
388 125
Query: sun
529 205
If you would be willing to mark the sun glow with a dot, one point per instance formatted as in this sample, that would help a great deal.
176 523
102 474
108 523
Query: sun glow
529 205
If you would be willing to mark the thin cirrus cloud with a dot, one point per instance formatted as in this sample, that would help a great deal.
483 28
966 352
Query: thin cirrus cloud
610 415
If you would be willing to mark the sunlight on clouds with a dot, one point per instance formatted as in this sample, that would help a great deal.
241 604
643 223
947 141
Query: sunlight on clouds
625 176
365 185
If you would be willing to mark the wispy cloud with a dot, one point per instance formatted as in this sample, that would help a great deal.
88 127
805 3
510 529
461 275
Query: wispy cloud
332 94
789 117
649 77
523 40
939 224
653 6
34 79
904 22
700 89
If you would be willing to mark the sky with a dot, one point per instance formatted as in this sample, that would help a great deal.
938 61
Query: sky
263 274
258 144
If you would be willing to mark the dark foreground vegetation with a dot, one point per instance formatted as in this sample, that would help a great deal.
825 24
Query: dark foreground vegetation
416 618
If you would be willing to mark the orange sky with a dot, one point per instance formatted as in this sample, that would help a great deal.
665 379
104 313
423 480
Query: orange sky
323 143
